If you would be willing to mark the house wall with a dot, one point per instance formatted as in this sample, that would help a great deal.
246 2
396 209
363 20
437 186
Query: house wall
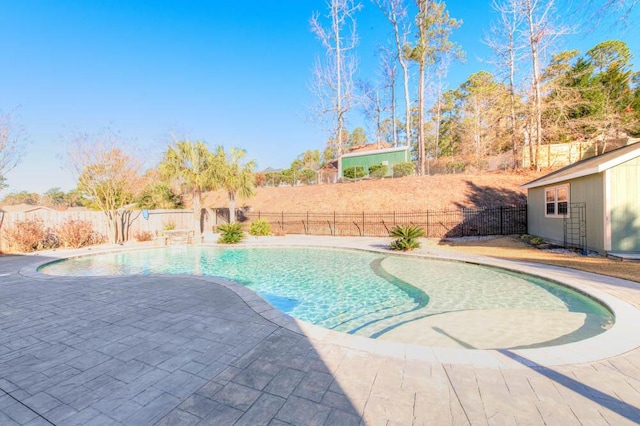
589 190
624 205
369 159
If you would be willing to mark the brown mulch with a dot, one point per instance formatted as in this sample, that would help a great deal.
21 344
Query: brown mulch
511 247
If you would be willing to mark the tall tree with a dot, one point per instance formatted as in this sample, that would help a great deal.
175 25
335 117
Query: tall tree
396 13
503 41
12 145
333 80
611 90
434 28
193 167
541 31
234 176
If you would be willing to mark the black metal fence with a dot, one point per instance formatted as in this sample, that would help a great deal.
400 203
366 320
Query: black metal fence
437 224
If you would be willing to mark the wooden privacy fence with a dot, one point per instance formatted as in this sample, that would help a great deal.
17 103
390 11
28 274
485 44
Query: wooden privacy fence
437 224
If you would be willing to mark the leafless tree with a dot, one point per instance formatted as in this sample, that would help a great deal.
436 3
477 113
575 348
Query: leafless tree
396 13
333 77
12 145
540 30
503 40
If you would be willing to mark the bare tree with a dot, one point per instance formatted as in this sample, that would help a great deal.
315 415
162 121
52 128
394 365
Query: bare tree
504 42
396 13
541 31
12 145
379 97
333 80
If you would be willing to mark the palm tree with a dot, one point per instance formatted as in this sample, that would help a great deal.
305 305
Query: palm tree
194 167
234 176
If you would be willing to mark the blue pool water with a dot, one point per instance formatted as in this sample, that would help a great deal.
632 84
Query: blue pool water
347 290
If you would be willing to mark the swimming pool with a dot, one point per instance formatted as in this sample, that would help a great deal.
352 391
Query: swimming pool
379 295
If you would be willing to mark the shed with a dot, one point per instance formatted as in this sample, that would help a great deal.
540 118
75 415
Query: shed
593 204
366 158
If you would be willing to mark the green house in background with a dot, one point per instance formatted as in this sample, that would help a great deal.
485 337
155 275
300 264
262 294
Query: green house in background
367 156
594 202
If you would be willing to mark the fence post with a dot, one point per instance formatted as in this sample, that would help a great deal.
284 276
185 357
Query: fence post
282 221
501 220
428 230
306 229
334 224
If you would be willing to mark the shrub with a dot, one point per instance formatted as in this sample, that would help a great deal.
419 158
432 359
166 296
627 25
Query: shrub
169 226
355 172
141 236
455 167
378 171
230 233
406 237
403 169
26 235
260 228
75 233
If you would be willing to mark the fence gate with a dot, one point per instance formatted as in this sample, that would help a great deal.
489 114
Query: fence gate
575 227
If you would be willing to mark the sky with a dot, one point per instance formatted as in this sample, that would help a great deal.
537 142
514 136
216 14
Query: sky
228 73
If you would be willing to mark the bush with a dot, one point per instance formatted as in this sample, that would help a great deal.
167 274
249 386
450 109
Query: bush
143 236
455 167
230 233
260 228
406 237
27 235
355 172
378 171
75 233
169 226
403 169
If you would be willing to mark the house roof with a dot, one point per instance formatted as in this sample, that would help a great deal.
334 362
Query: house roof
588 166
371 149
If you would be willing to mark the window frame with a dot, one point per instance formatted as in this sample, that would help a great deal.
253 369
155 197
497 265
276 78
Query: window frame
556 201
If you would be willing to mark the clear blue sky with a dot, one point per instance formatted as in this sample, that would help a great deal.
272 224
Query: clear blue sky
232 73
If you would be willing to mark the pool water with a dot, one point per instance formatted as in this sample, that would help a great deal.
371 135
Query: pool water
358 292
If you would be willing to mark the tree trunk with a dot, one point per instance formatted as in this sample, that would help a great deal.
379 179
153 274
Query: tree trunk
197 213
537 95
232 207
421 151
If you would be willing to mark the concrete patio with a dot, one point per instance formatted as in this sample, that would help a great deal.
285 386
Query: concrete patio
190 350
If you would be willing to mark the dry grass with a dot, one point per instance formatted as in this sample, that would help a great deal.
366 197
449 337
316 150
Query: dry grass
437 192
511 247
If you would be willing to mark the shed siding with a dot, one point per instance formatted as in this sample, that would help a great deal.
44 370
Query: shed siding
589 190
624 205
369 159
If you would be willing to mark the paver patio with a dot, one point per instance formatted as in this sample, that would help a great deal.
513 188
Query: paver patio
188 350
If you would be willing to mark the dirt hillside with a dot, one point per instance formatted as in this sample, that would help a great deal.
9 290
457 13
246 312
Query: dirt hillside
403 194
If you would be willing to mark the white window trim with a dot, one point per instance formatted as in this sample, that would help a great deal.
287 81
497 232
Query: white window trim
555 189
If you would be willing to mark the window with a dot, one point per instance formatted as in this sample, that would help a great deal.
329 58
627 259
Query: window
557 201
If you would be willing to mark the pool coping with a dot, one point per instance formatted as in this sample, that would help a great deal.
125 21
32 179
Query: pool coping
622 337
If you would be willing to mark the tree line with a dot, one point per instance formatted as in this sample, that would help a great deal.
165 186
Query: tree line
531 99
111 180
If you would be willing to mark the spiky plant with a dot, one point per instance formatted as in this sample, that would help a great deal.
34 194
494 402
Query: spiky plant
406 237
230 233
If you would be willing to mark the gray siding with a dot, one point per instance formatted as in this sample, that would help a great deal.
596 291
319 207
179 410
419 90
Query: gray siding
588 189
624 201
